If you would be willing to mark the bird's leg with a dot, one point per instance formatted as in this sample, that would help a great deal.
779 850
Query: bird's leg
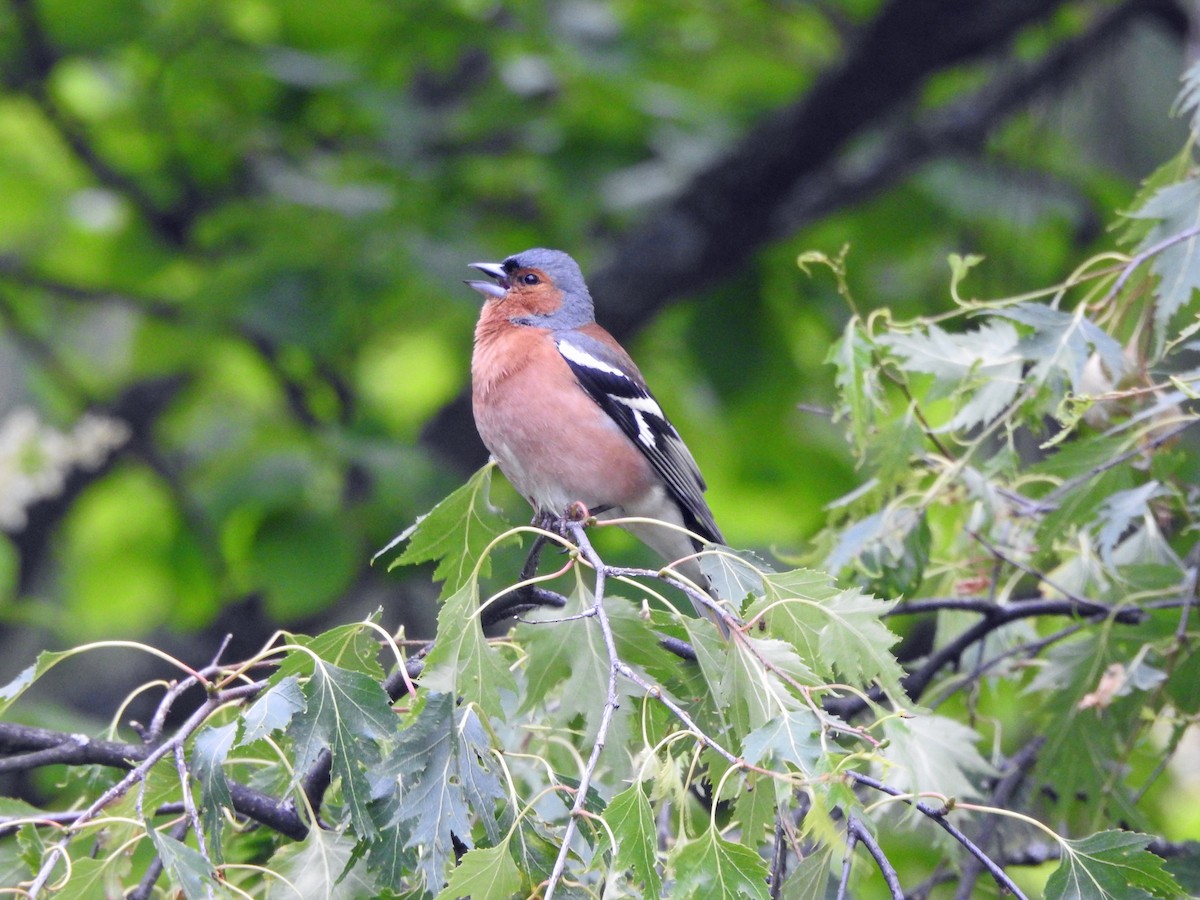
544 521
530 596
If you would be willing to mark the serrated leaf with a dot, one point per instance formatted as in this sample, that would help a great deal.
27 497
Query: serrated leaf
211 748
810 879
484 874
632 821
1110 864
272 711
1176 208
320 867
856 379
734 575
837 633
535 849
186 868
1189 96
461 661
934 753
756 806
353 647
746 693
711 866
792 737
92 878
348 714
1062 342
456 532
1119 511
427 788
984 361
13 869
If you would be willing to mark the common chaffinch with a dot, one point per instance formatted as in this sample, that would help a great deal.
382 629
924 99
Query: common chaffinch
568 416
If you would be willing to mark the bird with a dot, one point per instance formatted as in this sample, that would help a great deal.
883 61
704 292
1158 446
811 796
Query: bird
567 415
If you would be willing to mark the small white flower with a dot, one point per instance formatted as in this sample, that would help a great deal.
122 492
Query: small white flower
35 459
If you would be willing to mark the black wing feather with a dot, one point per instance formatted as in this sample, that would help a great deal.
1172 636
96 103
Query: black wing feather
653 434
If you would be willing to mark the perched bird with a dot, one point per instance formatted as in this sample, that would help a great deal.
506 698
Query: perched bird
567 414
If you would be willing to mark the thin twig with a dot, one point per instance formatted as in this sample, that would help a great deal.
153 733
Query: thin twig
189 802
940 817
1151 251
611 703
778 858
1018 767
1050 501
851 841
155 729
863 834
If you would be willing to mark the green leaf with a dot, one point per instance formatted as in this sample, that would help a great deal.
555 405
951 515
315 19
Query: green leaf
792 737
26 677
632 821
320 867
186 867
934 753
353 647
838 633
1110 864
208 757
484 874
810 879
455 532
348 714
857 381
427 788
569 661
92 878
273 710
461 661
1119 511
711 866
746 694
1176 208
1062 342
734 574
756 806
982 362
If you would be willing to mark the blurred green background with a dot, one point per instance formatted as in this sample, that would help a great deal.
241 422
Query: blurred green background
233 334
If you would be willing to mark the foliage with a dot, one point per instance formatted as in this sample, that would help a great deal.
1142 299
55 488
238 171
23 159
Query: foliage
1026 493
229 241
233 235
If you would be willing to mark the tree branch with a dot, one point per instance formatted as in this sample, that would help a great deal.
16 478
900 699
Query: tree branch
940 817
863 835
1019 766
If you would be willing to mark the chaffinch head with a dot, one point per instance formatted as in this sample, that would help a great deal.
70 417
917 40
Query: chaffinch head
567 414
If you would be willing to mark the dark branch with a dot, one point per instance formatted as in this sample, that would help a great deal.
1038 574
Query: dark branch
25 747
1019 765
940 817
863 834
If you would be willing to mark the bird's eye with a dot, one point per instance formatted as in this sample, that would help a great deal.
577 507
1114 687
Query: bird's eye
530 278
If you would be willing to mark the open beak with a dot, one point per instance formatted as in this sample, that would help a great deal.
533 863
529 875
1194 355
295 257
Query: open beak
492 270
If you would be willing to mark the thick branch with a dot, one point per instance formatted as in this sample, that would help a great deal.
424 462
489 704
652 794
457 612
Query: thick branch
39 747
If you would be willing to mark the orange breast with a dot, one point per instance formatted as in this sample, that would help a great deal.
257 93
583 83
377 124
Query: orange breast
552 441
